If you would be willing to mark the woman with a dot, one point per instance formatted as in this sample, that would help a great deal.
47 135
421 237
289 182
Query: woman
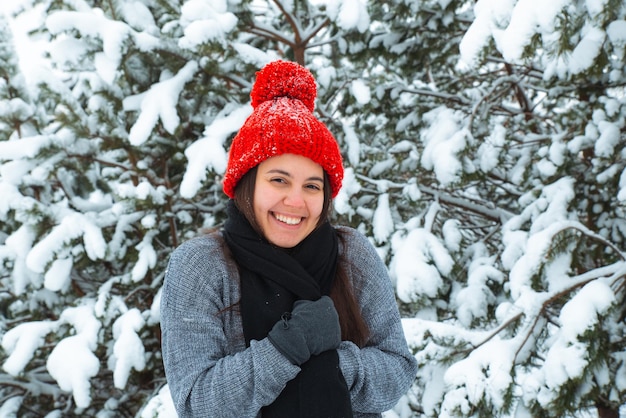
279 314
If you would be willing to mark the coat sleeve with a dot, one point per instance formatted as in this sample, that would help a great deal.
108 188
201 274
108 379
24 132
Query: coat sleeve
208 373
382 371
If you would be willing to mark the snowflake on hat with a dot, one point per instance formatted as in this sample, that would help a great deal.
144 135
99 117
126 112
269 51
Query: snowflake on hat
282 122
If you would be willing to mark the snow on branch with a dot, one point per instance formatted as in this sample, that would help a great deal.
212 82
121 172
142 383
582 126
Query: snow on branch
21 343
74 225
443 140
72 362
382 221
205 21
93 23
349 14
160 405
568 356
128 350
159 102
419 264
147 257
539 242
208 152
23 148
485 375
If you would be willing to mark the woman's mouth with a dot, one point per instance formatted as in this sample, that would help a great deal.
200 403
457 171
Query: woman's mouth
289 220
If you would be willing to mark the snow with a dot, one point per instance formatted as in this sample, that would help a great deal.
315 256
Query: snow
11 406
608 139
73 225
21 342
350 187
421 262
348 14
412 191
22 148
419 265
360 91
154 315
205 21
353 144
128 350
325 76
421 330
622 184
434 391
513 24
138 16
620 381
568 355
473 301
208 153
57 278
452 235
353 14
147 257
72 362
252 55
142 191
382 221
616 32
585 309
20 243
378 170
94 24
443 140
489 16
587 50
486 372
158 103
489 150
527 18
160 406
548 220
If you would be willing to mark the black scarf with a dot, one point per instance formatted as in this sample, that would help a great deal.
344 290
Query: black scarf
272 279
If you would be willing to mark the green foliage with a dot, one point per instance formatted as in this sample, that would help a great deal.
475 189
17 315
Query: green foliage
511 171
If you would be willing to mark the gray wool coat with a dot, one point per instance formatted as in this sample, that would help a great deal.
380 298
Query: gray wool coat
210 371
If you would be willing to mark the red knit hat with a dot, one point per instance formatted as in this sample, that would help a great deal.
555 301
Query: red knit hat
282 122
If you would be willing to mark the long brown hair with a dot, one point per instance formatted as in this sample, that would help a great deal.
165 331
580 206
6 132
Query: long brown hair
353 326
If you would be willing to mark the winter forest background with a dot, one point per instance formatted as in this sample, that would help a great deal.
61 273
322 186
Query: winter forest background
485 148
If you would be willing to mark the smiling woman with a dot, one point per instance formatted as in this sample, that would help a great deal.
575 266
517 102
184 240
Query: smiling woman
279 314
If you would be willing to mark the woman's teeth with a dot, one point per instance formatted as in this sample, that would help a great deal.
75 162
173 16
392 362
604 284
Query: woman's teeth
288 220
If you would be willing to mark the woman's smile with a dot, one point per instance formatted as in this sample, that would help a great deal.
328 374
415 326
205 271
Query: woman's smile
288 219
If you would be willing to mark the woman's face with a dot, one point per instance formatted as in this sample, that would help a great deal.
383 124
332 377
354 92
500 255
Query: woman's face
288 198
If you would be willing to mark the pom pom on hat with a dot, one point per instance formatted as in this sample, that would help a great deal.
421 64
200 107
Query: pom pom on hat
284 79
282 122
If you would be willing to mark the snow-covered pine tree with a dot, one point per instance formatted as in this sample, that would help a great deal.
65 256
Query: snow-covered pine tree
510 255
485 154
135 103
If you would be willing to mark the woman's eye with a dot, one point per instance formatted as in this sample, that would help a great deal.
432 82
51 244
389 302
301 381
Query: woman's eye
314 187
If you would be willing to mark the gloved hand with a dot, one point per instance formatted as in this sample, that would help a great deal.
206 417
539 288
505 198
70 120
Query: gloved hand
312 328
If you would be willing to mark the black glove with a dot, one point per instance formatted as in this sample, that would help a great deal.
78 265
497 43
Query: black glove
310 329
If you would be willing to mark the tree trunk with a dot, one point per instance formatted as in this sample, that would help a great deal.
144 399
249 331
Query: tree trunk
605 411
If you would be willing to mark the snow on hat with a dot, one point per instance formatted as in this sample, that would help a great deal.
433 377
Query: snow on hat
282 122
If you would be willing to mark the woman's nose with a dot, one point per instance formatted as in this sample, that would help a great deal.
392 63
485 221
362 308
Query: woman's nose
294 197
